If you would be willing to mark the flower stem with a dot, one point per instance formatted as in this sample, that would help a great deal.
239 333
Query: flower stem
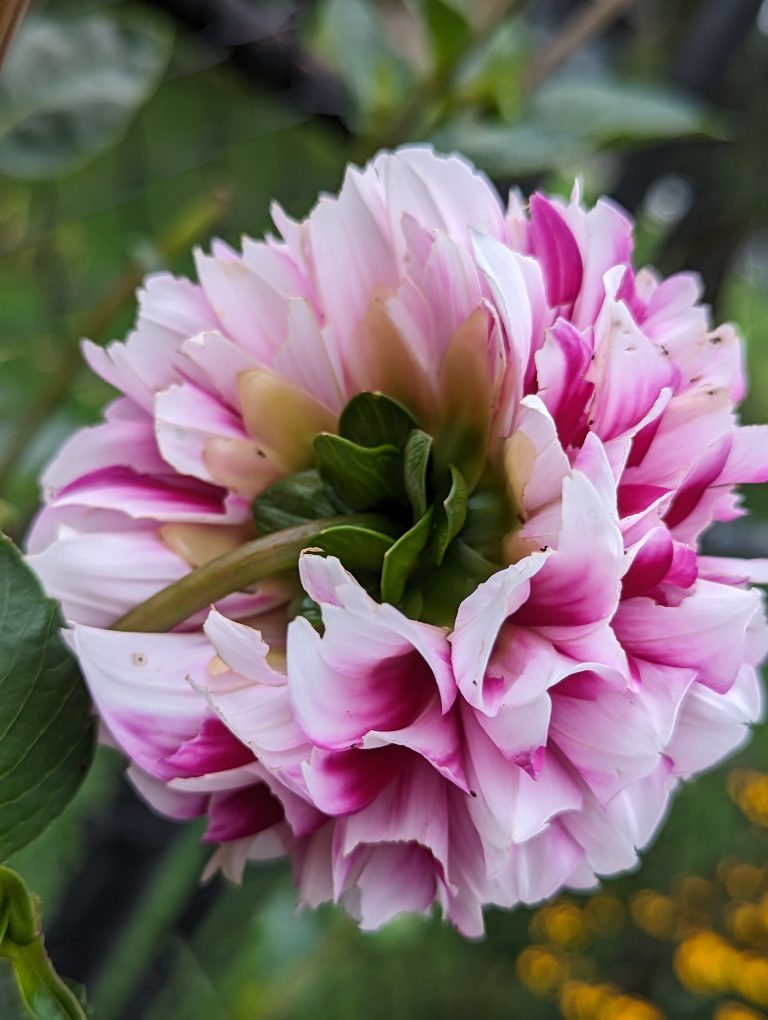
234 571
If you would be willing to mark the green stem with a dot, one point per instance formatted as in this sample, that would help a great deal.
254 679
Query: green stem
156 912
234 571
43 993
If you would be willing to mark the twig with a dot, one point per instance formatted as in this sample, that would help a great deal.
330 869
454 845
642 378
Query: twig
191 225
11 13
586 22
233 571
434 89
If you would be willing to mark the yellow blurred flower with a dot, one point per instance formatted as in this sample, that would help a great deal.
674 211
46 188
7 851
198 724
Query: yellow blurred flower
541 970
654 913
561 923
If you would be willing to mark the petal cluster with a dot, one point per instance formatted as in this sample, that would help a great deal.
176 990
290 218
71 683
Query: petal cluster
536 741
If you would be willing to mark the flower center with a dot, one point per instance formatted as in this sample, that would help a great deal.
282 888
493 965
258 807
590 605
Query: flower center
432 535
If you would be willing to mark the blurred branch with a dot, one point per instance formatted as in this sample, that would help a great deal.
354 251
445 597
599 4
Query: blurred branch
11 13
714 40
262 45
195 222
412 119
583 24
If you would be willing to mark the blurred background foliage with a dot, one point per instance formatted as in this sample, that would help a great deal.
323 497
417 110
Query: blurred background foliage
130 132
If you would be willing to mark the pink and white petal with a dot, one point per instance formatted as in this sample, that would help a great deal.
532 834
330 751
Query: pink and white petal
220 361
252 313
139 686
507 804
213 749
243 649
388 633
561 369
337 704
307 359
260 716
604 236
479 620
557 251
351 254
235 814
748 457
611 740
147 497
629 373
711 726
656 559
411 808
534 459
732 570
537 868
391 879
440 192
186 419
507 275
612 834
118 442
176 804
706 631
579 584
434 736
170 310
345 782
99 577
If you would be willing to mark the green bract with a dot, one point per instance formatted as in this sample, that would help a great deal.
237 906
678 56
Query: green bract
434 539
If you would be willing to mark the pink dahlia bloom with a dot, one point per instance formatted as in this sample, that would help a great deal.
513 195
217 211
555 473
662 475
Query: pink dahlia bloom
495 663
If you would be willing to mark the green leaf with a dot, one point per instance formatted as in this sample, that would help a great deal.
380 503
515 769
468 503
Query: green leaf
357 548
492 74
402 559
415 464
71 86
510 151
293 500
361 476
449 516
450 33
46 725
304 606
446 587
372 419
352 41
608 111
490 517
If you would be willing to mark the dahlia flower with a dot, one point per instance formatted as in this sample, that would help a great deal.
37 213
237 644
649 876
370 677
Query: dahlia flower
385 557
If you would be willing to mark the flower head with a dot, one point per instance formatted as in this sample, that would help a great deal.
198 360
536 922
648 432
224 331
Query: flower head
421 485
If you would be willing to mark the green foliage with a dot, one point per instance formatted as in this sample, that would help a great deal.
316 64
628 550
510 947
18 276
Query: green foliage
416 457
608 111
41 990
567 119
373 419
449 33
450 515
360 476
70 88
358 548
351 39
293 500
46 726
402 559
